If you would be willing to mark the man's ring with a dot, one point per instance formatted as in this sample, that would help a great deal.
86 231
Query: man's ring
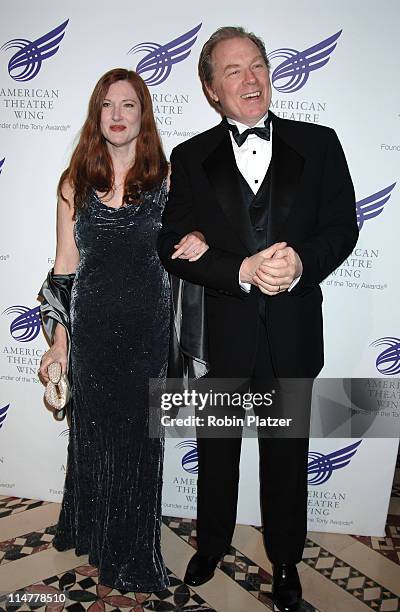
279 288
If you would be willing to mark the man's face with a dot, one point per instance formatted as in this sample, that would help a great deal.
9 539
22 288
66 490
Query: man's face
240 80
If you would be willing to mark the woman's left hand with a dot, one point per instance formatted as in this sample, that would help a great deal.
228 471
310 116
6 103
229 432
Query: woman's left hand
191 247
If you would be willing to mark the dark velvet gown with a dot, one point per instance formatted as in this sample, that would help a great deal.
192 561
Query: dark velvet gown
120 309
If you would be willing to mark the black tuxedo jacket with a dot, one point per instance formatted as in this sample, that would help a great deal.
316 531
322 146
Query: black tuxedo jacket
311 207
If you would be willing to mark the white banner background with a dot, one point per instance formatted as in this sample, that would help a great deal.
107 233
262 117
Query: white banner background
356 92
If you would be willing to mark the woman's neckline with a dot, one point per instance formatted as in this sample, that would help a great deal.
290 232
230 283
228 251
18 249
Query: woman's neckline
106 205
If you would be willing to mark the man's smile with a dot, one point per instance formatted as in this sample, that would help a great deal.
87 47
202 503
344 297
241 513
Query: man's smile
253 94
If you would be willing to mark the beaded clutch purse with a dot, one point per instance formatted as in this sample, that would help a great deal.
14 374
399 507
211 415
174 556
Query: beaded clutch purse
57 392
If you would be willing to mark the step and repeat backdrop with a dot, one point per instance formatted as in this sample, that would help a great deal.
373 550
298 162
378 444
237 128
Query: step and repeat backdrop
334 65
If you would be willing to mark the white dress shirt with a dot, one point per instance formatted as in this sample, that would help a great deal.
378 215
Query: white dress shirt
254 156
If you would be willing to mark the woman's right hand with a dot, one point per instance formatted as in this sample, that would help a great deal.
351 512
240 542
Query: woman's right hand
58 353
191 247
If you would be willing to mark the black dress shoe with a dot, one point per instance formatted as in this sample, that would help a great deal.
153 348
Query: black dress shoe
201 569
286 588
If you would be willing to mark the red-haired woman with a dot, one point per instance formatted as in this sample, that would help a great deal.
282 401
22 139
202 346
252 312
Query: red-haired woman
111 198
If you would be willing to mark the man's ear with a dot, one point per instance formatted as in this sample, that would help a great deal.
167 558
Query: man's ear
211 92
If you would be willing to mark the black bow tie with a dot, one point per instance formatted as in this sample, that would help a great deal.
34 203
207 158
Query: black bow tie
261 132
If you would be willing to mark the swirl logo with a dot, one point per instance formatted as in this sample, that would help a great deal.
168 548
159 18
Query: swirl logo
388 362
27 61
1 164
292 74
159 59
321 467
3 414
190 460
372 206
26 326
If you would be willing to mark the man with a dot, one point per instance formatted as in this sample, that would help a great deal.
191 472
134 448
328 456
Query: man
276 207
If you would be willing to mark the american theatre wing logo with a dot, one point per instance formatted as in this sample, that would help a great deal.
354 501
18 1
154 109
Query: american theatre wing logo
373 205
388 360
190 460
155 67
27 61
321 466
3 414
26 325
293 73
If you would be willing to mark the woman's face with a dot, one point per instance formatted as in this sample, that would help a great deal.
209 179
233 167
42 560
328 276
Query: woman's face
121 115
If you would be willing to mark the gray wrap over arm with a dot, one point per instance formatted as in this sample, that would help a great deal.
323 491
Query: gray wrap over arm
55 294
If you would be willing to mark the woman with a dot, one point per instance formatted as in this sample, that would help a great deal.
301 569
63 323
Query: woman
111 198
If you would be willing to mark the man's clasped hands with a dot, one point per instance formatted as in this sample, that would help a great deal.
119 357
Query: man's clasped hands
272 270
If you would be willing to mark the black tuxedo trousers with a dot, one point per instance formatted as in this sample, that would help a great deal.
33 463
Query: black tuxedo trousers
282 475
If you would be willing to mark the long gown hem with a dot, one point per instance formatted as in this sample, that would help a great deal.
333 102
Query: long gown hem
132 587
106 578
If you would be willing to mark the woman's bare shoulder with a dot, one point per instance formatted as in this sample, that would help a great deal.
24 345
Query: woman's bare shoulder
66 193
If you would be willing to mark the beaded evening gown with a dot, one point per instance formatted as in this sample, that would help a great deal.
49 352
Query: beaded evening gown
120 308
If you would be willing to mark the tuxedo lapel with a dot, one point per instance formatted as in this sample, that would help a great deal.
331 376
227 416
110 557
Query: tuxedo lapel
286 170
221 170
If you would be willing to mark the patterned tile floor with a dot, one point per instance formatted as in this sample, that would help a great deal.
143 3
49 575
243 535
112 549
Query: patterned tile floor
14 505
335 583
78 589
17 548
388 546
258 582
